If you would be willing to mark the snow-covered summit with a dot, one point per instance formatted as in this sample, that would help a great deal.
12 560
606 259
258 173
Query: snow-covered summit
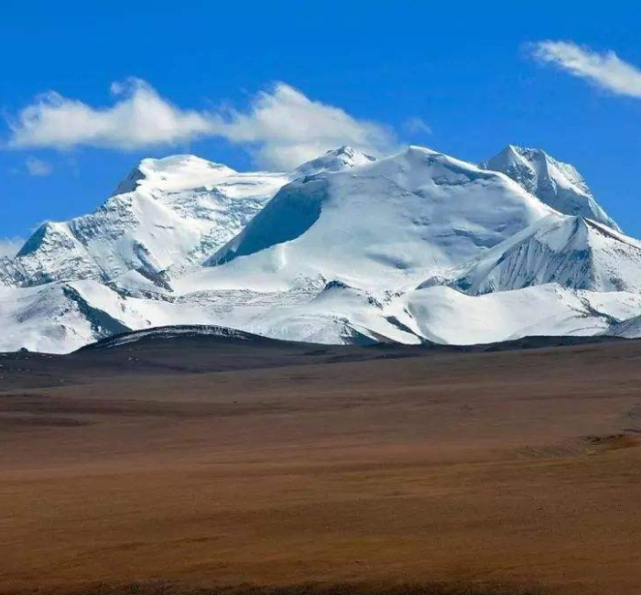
334 257
383 223
166 216
557 184
335 160
167 213
174 173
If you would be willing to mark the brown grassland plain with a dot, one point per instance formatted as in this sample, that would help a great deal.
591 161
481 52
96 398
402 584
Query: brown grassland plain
213 469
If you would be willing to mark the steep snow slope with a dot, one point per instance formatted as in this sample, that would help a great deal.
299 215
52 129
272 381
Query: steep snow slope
165 216
557 184
571 251
61 317
168 211
379 225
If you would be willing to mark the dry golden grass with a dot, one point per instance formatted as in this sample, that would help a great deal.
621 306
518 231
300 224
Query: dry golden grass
451 474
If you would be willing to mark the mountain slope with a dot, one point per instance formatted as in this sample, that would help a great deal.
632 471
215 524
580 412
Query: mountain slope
557 184
384 224
167 211
335 257
165 217
61 317
627 329
571 251
445 315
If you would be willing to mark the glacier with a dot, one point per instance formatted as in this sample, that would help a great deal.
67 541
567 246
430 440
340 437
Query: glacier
414 247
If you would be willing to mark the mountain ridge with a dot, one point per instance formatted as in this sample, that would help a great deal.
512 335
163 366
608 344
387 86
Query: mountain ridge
555 183
417 246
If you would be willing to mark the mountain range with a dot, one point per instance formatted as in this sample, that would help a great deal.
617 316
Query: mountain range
414 247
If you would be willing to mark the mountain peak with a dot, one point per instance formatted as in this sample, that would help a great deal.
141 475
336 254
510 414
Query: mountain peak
50 233
174 173
569 251
344 157
502 257
555 183
385 223
168 213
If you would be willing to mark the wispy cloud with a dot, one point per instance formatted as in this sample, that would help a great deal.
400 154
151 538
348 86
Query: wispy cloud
38 167
416 125
281 127
605 69
10 246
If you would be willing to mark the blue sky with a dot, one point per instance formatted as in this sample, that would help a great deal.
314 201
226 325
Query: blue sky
263 83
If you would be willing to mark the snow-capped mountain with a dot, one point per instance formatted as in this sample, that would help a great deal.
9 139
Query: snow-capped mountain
445 315
166 215
167 211
382 224
415 247
557 184
570 251
60 317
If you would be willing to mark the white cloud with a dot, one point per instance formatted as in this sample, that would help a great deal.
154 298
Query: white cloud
10 246
288 128
38 167
281 127
605 70
140 118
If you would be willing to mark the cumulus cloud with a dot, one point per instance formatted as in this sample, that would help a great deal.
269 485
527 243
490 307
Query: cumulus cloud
288 128
139 118
282 127
38 167
605 70
10 246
